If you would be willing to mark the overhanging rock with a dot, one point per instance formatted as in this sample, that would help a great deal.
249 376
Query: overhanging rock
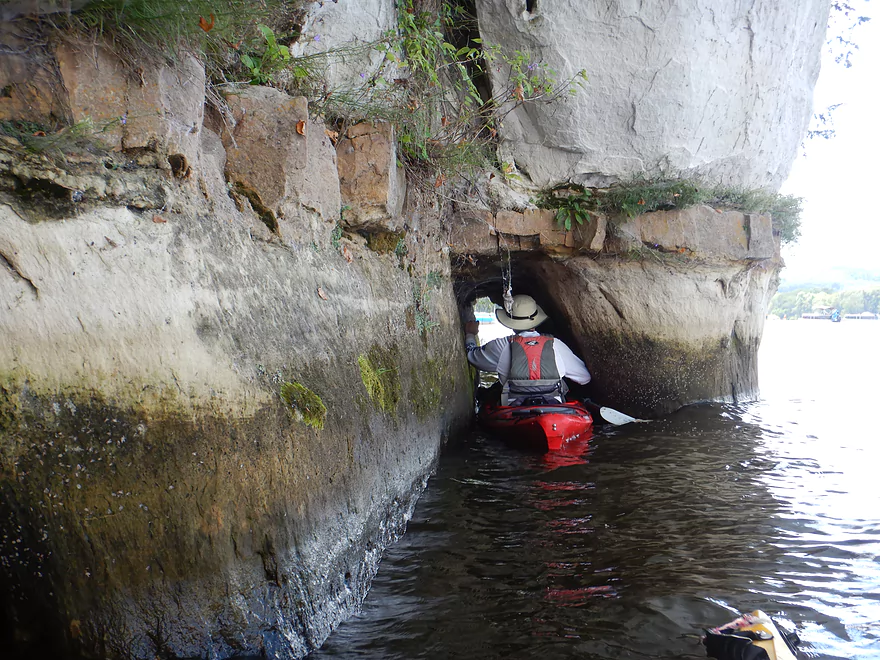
718 90
666 308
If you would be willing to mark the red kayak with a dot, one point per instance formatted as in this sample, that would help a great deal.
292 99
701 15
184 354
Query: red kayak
545 427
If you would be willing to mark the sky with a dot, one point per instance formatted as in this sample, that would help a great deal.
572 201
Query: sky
839 178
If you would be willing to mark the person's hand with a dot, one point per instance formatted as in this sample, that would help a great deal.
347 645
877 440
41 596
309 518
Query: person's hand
471 327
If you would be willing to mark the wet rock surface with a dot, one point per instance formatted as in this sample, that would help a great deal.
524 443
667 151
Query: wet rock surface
161 495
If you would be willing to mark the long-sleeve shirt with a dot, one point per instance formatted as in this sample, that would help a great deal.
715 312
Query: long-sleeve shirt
495 356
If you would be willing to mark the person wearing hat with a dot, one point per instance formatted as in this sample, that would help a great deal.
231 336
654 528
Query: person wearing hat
529 364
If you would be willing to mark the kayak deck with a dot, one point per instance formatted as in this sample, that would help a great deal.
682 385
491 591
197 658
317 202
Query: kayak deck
545 426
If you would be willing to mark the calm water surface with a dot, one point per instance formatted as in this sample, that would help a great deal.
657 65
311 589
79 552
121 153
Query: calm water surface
630 544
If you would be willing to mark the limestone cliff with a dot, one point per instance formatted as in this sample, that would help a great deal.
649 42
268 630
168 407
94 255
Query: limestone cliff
720 90
231 346
217 406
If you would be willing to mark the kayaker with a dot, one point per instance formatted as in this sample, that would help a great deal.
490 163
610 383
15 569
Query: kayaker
529 364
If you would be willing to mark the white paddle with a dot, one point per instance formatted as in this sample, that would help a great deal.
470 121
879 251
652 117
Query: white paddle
616 417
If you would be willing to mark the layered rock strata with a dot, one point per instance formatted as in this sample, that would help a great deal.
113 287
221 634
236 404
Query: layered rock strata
216 407
220 393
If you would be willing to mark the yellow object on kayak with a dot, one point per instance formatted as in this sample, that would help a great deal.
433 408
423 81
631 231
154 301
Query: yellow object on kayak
776 647
756 629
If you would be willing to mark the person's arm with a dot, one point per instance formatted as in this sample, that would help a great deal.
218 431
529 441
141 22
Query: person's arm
484 358
572 366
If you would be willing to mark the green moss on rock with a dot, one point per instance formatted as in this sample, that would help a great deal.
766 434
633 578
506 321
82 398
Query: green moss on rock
379 373
385 242
427 380
305 404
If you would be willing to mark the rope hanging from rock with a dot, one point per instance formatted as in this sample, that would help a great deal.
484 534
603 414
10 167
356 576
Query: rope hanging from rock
506 275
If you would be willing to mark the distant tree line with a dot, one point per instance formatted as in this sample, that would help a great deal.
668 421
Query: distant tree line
792 304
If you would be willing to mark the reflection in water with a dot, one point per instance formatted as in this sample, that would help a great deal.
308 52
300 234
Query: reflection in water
640 537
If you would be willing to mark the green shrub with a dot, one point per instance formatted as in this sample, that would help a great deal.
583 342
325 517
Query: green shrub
785 210
642 196
265 64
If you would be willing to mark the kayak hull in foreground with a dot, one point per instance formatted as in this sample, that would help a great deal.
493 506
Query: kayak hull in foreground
541 427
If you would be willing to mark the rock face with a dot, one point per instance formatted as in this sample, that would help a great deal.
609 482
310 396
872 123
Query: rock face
675 87
209 428
372 184
346 30
666 309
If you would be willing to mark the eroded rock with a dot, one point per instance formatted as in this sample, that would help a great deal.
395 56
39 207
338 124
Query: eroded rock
371 182
149 463
704 231
675 87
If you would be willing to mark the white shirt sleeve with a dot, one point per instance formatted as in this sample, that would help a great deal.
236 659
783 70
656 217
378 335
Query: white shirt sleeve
569 364
485 357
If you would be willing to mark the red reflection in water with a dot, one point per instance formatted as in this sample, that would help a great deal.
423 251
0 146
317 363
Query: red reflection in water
553 495
579 596
573 452
572 525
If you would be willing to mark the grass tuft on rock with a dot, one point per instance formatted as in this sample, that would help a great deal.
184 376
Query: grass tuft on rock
305 404
56 140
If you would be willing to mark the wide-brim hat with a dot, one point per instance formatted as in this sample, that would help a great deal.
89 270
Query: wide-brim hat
524 314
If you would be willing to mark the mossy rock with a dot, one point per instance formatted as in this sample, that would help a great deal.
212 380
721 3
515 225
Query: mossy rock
379 373
427 388
386 242
305 404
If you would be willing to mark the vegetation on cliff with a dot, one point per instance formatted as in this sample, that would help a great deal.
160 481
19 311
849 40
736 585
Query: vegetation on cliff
433 85
573 204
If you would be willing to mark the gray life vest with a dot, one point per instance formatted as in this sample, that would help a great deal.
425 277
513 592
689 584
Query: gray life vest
533 368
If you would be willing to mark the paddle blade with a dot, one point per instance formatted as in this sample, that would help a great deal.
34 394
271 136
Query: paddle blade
616 417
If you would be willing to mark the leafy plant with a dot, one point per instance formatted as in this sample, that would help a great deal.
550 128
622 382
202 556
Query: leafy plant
273 58
433 279
400 250
428 88
572 206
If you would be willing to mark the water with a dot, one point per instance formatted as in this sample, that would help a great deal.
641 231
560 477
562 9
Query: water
636 540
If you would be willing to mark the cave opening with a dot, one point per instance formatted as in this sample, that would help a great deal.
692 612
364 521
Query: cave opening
477 277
